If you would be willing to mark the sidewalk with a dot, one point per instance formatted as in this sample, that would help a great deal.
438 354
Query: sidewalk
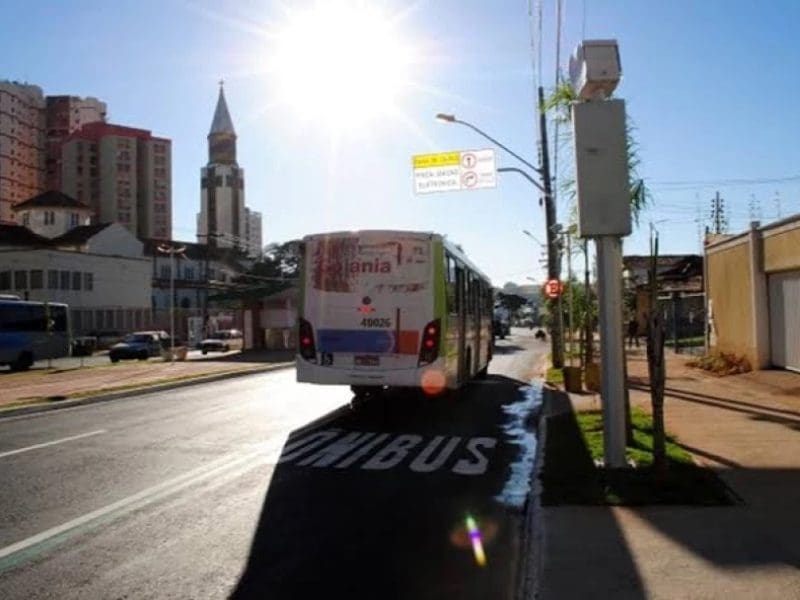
747 427
44 385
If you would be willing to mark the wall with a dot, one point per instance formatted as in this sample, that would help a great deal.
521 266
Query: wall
730 297
115 240
782 247
116 281
34 219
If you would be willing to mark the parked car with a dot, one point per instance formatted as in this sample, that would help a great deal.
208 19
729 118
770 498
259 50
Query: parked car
224 340
84 345
140 344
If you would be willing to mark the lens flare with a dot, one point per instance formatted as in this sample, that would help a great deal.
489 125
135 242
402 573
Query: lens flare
475 538
433 382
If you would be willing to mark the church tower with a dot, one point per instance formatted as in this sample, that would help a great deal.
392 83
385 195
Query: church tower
222 218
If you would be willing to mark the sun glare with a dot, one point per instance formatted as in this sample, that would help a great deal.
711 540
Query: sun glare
341 64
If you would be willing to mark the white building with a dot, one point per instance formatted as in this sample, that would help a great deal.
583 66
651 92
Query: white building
52 214
99 270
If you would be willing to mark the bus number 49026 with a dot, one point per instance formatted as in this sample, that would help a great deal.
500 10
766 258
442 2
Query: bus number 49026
376 322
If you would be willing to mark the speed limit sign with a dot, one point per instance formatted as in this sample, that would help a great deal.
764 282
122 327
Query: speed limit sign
552 289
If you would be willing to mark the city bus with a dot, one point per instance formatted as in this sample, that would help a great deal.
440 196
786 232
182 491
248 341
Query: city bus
391 309
31 331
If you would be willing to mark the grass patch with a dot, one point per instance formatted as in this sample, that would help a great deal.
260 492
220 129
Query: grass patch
575 444
554 376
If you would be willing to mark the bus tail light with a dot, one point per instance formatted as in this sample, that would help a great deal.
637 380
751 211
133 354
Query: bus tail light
429 350
306 341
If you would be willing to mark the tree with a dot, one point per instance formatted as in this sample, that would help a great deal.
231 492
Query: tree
655 364
277 270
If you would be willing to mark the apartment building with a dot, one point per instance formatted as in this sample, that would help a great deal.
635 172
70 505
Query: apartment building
22 141
124 174
63 116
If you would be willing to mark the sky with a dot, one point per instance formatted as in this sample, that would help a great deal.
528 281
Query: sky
327 127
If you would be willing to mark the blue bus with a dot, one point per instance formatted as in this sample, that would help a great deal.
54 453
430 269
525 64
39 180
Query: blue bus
31 331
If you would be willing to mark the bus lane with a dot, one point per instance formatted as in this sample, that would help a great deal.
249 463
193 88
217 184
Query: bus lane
404 496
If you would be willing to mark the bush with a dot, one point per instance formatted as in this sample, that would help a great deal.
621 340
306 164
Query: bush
722 363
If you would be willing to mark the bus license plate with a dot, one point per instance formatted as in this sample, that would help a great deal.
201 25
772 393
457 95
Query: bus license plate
367 360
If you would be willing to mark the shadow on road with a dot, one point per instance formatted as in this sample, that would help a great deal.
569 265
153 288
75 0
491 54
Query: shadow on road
372 501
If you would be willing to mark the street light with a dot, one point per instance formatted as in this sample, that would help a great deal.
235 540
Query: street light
530 235
452 119
172 251
553 263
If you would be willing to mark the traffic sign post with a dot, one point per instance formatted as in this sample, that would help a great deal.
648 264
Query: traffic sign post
454 171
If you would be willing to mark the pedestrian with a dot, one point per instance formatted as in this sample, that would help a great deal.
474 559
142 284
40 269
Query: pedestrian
633 332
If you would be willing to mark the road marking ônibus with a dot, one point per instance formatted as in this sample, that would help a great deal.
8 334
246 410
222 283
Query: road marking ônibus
338 449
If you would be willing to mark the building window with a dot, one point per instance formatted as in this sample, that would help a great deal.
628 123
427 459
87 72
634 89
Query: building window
88 281
49 217
20 280
76 280
188 273
64 280
37 279
52 280
5 280
218 181
74 219
26 219
204 182
164 271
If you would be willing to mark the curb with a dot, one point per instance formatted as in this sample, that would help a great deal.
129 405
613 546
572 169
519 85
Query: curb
533 521
145 389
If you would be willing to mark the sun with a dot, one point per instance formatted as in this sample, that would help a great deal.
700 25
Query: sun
341 64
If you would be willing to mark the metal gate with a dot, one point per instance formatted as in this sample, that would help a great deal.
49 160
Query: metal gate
784 319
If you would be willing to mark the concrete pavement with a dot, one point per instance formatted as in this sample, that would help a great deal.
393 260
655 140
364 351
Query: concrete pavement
747 427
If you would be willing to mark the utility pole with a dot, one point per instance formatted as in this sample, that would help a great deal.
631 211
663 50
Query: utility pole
172 251
553 262
718 217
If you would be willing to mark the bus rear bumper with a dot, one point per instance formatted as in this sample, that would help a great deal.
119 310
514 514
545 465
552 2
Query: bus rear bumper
312 373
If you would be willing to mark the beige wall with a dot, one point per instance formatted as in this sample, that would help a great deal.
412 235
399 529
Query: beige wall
737 326
782 249
730 298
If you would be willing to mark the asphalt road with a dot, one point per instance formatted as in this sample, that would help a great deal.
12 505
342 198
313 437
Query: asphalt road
261 487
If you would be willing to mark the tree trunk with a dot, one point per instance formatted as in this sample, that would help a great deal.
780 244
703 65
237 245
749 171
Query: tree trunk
655 366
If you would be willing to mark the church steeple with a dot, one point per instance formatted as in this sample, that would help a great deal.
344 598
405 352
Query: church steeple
222 136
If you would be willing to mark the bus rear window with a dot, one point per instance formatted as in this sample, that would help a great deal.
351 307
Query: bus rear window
350 264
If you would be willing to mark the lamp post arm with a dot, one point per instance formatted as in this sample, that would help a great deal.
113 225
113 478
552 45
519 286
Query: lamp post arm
494 141
523 173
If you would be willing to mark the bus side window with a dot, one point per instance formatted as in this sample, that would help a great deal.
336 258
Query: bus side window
450 283
461 289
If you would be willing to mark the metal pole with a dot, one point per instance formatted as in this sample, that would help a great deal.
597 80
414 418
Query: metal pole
172 305
612 389
571 294
553 261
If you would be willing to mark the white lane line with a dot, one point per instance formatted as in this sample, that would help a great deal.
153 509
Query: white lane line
136 500
52 443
